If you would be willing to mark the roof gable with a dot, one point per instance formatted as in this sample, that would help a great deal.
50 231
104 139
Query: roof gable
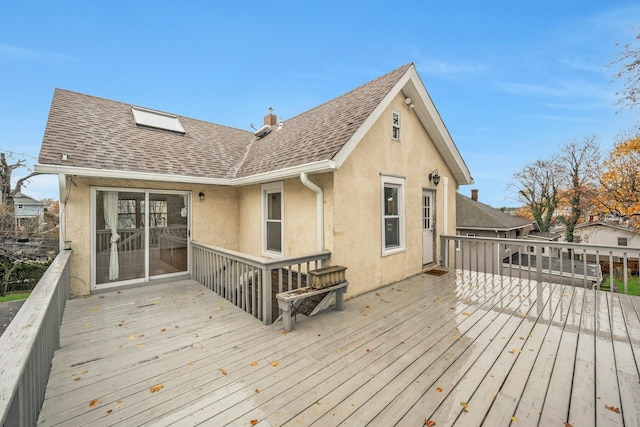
86 135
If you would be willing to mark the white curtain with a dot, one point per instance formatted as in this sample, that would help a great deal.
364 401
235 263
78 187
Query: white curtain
111 219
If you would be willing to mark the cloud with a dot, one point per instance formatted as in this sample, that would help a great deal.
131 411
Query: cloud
561 89
10 52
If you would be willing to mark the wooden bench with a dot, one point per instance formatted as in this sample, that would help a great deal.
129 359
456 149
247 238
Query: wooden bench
290 300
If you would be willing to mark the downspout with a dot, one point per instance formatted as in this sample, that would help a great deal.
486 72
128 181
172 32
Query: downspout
319 207
62 186
445 184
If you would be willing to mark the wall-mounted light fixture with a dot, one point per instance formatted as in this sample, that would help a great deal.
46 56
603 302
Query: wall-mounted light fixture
201 195
434 177
409 102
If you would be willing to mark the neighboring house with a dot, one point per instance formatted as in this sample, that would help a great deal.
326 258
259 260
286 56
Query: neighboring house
357 176
606 233
27 209
476 219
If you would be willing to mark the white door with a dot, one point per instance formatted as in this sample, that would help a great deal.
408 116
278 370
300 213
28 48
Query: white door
428 242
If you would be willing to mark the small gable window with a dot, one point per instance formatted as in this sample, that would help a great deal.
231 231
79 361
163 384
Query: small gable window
395 125
622 241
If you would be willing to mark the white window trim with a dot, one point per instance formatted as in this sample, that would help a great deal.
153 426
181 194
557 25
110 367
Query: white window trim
265 189
399 182
394 126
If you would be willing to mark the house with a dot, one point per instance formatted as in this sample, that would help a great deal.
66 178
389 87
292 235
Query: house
370 176
27 209
476 219
611 234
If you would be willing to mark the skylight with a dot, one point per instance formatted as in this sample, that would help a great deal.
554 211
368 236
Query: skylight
156 119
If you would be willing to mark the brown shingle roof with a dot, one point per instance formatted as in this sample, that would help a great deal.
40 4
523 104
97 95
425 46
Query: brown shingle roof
101 134
318 134
471 214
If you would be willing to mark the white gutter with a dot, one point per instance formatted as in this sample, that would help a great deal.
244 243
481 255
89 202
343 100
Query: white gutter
290 172
319 208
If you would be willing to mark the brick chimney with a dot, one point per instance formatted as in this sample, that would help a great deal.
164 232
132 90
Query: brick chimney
474 195
270 119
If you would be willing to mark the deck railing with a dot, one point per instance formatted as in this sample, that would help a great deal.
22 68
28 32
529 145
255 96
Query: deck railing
28 344
251 282
567 263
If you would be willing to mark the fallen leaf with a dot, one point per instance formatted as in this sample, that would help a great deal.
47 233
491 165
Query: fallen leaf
465 406
515 351
367 307
141 335
257 390
132 337
156 388
190 365
377 294
568 424
464 313
456 337
87 325
612 409
222 371
177 326
514 418
367 350
210 317
429 423
140 345
284 332
275 363
253 422
93 403
109 411
77 378
163 330
253 363
118 404
438 389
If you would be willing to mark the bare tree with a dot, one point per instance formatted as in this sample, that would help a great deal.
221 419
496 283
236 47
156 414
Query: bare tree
580 163
629 61
6 170
537 186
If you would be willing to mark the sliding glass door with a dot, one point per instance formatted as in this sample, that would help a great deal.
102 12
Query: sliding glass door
139 234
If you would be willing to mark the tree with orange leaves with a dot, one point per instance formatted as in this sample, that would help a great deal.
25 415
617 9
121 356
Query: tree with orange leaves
620 182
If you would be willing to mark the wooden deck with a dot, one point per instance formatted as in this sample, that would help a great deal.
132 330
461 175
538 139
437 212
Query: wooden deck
461 349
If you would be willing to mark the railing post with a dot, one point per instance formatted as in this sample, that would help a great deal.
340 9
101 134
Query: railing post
539 263
266 297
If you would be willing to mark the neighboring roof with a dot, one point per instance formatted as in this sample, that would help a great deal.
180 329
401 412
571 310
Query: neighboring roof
22 199
100 138
471 215
603 224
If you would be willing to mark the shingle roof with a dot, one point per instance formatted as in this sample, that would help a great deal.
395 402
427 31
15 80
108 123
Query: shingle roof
471 214
101 134
321 132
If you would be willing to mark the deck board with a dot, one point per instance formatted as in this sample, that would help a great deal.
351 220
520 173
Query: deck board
506 347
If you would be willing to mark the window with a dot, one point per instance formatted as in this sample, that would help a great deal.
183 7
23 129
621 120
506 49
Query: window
156 120
395 125
622 241
392 215
272 213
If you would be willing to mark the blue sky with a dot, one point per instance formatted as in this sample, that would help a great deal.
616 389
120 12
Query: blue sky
512 80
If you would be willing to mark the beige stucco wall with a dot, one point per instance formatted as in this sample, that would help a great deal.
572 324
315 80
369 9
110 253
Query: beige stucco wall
214 220
300 216
357 205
